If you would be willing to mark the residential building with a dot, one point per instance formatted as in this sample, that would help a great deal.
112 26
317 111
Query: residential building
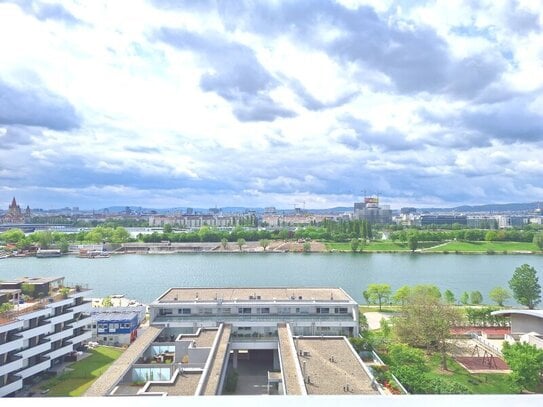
47 323
426 220
284 341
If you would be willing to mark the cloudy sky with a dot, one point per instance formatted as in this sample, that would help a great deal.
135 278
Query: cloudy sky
231 103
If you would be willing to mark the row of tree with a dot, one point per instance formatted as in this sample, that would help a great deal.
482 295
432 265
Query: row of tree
524 285
473 235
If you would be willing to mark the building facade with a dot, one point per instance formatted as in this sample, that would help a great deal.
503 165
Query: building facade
46 322
257 311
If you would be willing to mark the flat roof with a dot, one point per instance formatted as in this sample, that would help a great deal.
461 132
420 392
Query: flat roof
204 338
254 294
34 280
114 316
332 367
212 380
105 383
290 370
185 384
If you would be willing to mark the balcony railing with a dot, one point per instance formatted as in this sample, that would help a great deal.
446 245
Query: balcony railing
254 317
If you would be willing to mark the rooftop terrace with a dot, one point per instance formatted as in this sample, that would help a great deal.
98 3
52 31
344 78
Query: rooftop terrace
254 294
329 366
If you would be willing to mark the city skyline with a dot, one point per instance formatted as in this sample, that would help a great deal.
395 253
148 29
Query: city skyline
182 104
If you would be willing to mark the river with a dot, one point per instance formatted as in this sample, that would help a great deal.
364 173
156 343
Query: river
145 277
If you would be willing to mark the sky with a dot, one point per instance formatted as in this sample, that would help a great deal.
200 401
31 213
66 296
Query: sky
171 103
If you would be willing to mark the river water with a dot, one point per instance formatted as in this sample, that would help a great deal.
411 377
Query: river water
145 277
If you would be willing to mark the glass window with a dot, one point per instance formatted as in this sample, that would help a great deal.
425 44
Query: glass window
323 310
264 310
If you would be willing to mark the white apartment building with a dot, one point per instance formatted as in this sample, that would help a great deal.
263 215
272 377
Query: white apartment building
257 311
39 331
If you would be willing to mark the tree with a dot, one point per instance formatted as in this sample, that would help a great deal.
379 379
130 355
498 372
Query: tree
449 297
476 297
526 363
264 243
306 247
45 239
12 236
354 244
413 242
106 302
525 286
538 240
426 322
379 293
241 242
224 243
427 289
499 295
401 294
167 228
64 246
464 298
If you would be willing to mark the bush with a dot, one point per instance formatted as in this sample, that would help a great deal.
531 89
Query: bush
231 382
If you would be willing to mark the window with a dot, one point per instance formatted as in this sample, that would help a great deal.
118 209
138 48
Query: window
323 310
244 328
184 311
340 310
166 311
224 310
244 310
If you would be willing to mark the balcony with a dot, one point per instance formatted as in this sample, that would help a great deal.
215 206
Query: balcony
84 321
61 351
65 333
83 336
85 306
272 318
41 347
61 317
11 386
11 366
32 370
11 345
43 328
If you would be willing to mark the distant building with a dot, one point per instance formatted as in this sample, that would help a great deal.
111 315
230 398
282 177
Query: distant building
14 213
370 211
426 220
197 221
506 221
408 211
116 325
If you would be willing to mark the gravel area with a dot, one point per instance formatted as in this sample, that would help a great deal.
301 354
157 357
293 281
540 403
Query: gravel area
185 385
330 367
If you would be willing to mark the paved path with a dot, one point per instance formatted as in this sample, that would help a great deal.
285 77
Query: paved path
374 319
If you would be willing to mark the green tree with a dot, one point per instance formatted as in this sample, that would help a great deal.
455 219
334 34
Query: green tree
476 297
12 236
64 246
379 293
106 302
307 247
167 228
426 322
427 289
241 242
499 295
526 363
45 239
525 286
5 307
120 235
412 242
449 297
464 298
538 240
264 243
28 289
224 243
401 295
354 244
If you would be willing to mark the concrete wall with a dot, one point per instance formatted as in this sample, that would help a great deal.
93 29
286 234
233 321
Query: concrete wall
526 323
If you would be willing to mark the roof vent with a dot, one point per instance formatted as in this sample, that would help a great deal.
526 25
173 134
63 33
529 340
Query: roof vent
300 297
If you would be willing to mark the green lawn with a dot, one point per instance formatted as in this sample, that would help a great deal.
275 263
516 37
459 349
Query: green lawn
84 373
480 383
498 247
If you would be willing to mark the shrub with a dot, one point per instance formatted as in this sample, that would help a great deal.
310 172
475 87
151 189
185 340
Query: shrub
231 382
